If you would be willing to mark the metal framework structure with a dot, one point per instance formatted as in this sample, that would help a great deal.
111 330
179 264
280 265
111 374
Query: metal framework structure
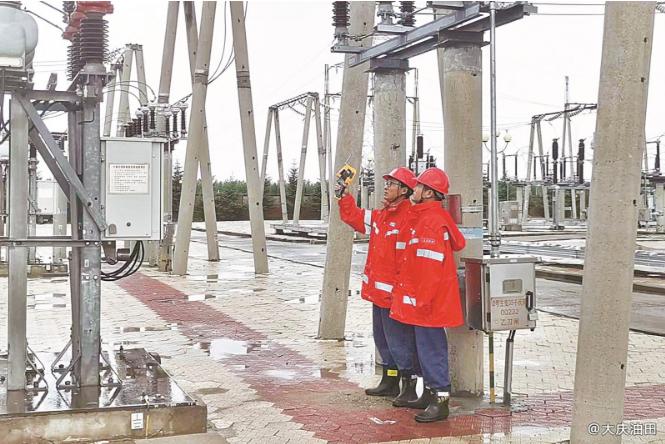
570 110
79 178
310 101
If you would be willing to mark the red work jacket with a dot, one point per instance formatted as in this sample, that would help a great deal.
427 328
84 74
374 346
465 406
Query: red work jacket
426 291
383 252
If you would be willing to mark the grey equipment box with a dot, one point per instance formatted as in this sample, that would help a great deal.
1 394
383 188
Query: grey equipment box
132 188
501 293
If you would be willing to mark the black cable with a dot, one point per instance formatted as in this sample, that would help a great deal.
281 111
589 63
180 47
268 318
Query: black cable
132 265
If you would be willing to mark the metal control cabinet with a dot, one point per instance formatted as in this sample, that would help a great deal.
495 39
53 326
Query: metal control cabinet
132 184
501 293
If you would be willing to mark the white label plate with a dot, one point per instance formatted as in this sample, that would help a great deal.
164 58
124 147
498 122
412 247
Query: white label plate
129 178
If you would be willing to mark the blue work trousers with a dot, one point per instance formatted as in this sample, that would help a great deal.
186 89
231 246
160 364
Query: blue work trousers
432 348
394 340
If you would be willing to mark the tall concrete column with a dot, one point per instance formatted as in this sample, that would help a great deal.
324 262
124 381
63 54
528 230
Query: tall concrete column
353 105
124 114
573 203
249 138
389 125
165 253
582 194
208 195
519 197
602 350
195 144
460 78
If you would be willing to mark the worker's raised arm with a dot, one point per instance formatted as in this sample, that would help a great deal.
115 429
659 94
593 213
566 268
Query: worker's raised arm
357 218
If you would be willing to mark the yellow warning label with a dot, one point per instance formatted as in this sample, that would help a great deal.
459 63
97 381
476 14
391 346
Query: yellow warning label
392 373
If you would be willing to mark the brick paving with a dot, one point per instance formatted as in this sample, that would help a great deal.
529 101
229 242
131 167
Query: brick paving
246 346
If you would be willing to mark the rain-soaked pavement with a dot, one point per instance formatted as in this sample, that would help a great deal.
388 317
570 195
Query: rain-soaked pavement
564 298
246 346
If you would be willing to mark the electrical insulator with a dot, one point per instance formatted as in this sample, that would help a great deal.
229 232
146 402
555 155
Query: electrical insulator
408 17
175 123
152 118
94 39
555 149
341 18
419 147
183 127
167 125
128 130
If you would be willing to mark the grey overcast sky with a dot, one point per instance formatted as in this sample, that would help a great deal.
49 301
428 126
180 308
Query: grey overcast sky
289 43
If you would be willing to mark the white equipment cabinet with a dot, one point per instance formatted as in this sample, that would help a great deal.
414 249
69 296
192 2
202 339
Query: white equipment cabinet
132 184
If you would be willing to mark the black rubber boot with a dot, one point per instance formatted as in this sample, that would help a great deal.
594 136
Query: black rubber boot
437 408
407 393
389 385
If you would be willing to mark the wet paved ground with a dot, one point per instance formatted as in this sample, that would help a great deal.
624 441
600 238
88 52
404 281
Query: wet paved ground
648 314
246 346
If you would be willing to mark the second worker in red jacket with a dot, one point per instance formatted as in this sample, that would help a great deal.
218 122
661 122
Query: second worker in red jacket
426 291
383 227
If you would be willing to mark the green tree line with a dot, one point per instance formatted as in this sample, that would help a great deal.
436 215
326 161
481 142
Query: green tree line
231 198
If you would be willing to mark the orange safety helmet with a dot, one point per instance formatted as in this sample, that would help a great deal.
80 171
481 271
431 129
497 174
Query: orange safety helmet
402 175
434 178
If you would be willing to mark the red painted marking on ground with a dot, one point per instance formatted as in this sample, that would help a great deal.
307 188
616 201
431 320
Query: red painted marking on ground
335 408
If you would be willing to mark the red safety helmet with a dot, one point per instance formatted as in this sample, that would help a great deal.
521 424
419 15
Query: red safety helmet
434 178
402 175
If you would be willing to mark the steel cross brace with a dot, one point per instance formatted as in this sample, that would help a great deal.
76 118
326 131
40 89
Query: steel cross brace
68 173
465 20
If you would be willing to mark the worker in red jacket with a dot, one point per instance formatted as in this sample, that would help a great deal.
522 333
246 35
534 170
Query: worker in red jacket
383 253
426 292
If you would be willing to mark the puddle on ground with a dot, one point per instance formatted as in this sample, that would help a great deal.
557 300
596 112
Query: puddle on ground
222 348
315 299
200 297
211 278
145 328
211 391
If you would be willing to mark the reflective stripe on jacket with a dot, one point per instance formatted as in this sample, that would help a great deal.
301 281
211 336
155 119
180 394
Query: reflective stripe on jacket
426 291
383 251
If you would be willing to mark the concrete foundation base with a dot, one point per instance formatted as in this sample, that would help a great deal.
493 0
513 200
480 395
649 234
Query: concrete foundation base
40 270
148 404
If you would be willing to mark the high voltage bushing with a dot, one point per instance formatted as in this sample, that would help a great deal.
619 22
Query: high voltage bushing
408 17
341 18
175 123
94 39
74 58
183 126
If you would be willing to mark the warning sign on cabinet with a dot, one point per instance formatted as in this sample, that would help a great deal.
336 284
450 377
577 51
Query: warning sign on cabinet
129 178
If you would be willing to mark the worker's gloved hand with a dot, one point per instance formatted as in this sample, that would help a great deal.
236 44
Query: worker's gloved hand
341 191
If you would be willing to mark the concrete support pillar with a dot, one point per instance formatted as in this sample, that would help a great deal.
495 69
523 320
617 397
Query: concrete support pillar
560 201
602 350
208 195
460 78
349 146
124 115
659 204
17 197
280 169
573 203
325 202
195 144
249 138
519 197
364 196
303 157
165 253
582 194
389 126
